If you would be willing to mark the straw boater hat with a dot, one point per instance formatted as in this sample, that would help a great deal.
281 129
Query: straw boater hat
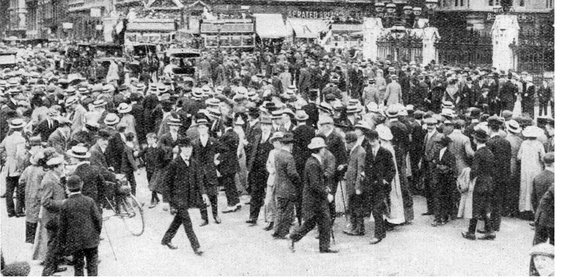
212 102
71 100
317 143
276 136
111 119
325 120
351 109
172 121
57 160
266 120
513 127
99 103
17 123
362 124
124 108
79 151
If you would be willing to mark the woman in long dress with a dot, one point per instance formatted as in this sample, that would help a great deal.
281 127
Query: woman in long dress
530 155
241 176
396 213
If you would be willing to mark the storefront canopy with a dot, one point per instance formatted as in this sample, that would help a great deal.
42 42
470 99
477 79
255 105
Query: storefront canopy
271 26
307 28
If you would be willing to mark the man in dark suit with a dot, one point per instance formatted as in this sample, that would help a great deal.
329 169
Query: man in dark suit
353 185
286 181
316 199
47 126
303 134
545 219
500 147
507 94
185 189
446 183
379 171
431 147
482 168
259 148
115 148
80 227
205 150
229 165
416 149
138 113
93 181
543 181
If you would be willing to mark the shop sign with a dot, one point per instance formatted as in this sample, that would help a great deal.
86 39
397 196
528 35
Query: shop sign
322 14
522 18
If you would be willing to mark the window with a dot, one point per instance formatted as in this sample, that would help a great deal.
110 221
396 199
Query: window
522 3
456 3
549 4
462 3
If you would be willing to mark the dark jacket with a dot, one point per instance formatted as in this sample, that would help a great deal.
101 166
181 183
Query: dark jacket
94 183
336 146
314 197
184 184
44 130
377 169
205 157
286 178
545 214
541 183
483 168
114 152
303 134
500 148
80 224
229 164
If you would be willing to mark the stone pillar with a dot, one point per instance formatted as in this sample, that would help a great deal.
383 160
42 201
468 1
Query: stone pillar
109 23
430 36
372 28
504 33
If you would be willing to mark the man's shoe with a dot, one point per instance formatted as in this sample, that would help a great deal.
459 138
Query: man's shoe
230 210
198 252
169 245
375 240
427 214
436 223
204 223
217 220
352 232
482 231
153 204
329 251
488 236
251 222
269 226
468 235
60 269
3 196
11 215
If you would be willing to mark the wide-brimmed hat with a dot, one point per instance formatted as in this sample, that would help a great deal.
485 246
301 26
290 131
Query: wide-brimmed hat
99 102
531 132
71 100
124 108
57 160
212 102
481 135
301 115
79 151
317 143
17 123
513 126
111 119
351 109
203 121
214 113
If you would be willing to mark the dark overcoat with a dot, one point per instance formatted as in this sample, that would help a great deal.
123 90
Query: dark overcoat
80 224
483 168
184 184
314 197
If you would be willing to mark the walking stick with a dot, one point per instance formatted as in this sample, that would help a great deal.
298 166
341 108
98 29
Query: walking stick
110 244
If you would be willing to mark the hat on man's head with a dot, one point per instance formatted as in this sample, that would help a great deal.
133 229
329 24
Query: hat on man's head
17 123
124 108
79 151
276 136
326 108
531 132
56 160
513 127
173 121
71 100
352 109
362 124
203 121
111 119
317 143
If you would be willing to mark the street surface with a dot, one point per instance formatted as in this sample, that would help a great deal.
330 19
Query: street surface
235 249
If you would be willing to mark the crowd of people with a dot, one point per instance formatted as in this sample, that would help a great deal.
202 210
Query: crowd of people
306 134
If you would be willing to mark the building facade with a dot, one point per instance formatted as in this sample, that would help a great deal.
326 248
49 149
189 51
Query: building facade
17 13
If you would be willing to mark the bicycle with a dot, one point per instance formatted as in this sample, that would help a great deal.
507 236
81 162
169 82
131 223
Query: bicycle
126 206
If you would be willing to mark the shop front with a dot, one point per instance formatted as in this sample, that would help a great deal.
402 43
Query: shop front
228 34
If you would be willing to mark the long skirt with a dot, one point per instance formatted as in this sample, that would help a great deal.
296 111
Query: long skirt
41 240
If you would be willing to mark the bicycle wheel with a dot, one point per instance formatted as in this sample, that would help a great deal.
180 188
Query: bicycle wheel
132 215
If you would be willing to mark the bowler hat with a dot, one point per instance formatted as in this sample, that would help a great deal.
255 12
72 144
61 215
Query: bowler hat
481 135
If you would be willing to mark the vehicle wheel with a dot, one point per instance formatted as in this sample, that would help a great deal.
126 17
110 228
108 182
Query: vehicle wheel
132 215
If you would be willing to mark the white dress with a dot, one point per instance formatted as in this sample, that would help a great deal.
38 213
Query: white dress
396 210
530 154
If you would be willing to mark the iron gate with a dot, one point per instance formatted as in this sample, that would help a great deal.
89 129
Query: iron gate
465 47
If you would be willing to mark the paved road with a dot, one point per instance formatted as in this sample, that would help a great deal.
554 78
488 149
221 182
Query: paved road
232 248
